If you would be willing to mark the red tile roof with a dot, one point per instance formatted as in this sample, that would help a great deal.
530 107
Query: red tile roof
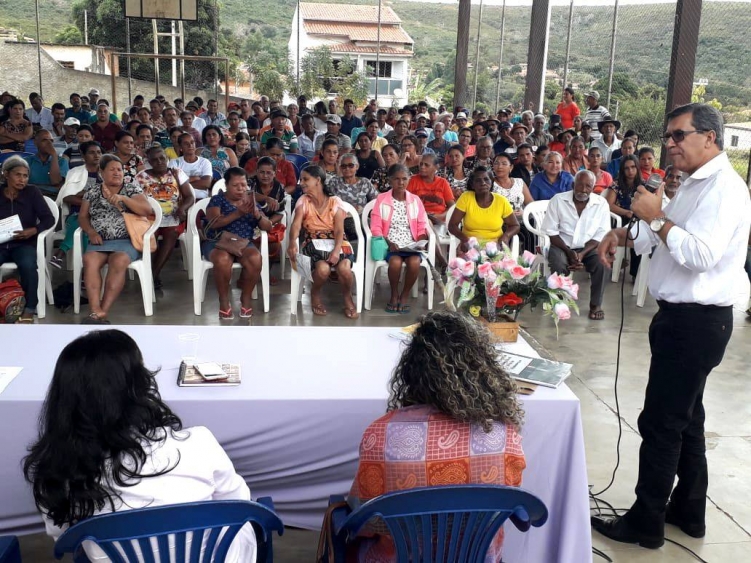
352 48
347 13
358 31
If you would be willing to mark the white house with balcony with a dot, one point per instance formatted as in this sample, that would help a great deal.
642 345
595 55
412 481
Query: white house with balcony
352 30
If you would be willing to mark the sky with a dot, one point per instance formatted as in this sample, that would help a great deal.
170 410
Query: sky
567 2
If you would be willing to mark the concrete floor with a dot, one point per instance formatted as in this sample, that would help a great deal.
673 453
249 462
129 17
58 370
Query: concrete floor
591 347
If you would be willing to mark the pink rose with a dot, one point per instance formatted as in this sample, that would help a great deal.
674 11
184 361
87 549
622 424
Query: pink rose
562 311
519 272
472 254
484 270
468 269
490 279
456 263
457 274
573 291
528 258
508 263
492 249
473 243
555 281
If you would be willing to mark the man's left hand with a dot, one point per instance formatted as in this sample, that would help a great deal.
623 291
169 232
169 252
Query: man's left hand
646 205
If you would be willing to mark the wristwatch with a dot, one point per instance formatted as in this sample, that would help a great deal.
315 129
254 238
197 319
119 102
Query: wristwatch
657 224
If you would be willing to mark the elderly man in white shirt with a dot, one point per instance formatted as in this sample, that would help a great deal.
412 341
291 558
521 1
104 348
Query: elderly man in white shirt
576 221
697 276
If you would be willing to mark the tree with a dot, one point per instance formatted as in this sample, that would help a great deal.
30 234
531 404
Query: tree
351 84
623 86
644 115
697 96
69 36
320 74
266 77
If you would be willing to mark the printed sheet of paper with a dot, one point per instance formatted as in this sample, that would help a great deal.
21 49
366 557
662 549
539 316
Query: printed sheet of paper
8 228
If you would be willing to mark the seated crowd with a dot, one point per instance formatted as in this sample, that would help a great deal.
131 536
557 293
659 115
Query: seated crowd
428 160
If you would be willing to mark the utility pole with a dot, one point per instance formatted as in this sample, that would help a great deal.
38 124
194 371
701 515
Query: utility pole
477 57
500 59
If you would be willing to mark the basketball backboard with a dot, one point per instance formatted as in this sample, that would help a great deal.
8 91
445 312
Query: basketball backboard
162 9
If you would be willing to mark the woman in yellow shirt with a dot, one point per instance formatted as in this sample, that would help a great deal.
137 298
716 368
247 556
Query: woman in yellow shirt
482 214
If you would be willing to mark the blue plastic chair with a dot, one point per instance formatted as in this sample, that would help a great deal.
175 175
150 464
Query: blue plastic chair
117 529
10 551
29 146
216 175
451 524
298 161
6 155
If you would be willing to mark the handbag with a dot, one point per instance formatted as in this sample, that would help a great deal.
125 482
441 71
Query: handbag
330 547
12 301
136 225
276 234
378 248
232 243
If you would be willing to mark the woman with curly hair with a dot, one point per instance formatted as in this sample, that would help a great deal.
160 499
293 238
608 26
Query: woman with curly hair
453 418
108 444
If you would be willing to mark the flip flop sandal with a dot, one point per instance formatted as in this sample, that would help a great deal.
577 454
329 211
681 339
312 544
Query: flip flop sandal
25 321
319 310
246 313
56 262
392 308
597 315
405 309
351 313
227 315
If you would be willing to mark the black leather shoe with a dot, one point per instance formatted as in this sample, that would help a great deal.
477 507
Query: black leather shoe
618 529
672 516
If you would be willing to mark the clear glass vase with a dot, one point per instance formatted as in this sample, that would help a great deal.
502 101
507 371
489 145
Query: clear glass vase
492 292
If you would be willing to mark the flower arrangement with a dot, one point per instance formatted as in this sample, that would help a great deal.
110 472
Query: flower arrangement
492 281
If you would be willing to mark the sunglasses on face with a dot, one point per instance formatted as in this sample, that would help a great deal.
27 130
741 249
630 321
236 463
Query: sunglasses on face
347 165
679 135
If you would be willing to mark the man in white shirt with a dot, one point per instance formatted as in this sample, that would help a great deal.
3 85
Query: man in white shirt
307 140
608 142
696 275
576 221
197 168
40 116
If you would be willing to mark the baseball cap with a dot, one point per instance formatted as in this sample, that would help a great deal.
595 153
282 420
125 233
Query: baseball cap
93 92
278 113
424 116
593 94
71 121
505 125
333 118
421 132
461 115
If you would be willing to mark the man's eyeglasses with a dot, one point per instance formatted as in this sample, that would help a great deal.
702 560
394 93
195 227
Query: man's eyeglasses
679 136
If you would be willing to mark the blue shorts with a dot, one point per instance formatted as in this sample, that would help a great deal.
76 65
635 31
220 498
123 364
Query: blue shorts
117 245
405 254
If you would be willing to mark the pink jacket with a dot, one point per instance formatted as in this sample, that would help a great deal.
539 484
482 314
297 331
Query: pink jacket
380 217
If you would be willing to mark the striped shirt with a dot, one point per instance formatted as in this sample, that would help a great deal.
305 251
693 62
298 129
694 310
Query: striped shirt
594 116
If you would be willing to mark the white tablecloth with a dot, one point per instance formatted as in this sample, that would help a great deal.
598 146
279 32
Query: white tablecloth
293 427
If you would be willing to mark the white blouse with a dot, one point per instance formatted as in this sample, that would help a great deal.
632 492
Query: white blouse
203 472
514 195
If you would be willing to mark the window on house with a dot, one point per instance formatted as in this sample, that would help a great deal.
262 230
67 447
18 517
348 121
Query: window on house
384 68
734 140
67 64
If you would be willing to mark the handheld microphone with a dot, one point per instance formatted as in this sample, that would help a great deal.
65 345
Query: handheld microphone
652 185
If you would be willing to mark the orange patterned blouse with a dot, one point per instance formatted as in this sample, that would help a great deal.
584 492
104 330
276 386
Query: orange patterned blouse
419 446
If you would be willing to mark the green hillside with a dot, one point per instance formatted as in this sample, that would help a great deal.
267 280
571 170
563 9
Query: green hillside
643 43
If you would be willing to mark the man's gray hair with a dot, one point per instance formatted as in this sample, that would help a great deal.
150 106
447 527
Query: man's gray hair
703 118
529 112
14 162
552 154
586 173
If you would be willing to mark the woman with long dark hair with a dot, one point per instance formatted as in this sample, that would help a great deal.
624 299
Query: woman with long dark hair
108 444
619 198
448 387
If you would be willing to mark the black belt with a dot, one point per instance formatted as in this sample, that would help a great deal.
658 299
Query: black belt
691 306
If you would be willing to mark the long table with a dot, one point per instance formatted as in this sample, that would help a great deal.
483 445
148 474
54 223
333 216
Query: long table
293 428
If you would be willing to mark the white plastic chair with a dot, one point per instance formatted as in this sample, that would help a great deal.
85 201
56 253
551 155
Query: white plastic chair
219 186
286 221
201 266
358 268
620 253
142 267
454 244
44 287
642 279
372 266
64 211
537 210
